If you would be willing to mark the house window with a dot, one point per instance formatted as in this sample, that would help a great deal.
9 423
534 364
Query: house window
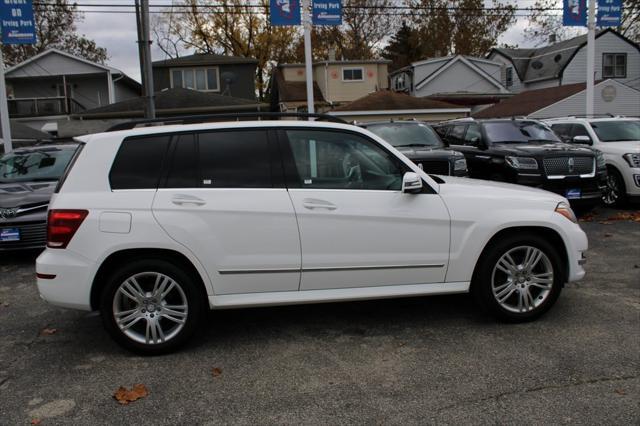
400 84
509 77
614 65
352 74
203 79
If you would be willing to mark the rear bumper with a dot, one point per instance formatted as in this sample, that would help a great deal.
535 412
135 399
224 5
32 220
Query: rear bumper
71 285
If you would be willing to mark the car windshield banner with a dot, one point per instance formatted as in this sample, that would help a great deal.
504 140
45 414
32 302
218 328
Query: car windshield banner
574 13
16 19
285 12
609 13
327 12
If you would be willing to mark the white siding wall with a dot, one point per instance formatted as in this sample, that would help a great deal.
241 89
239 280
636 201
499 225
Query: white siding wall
424 70
54 64
542 84
494 70
575 72
459 77
517 84
626 102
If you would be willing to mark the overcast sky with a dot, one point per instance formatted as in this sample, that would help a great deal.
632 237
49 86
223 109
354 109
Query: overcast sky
117 32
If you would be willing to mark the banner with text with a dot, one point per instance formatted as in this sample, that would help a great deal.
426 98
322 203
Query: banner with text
285 12
609 13
16 19
574 13
327 12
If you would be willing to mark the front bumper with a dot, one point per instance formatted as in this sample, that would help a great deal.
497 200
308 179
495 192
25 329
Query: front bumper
590 188
70 286
33 235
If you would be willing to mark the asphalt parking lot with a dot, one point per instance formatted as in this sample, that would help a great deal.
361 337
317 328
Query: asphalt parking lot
420 360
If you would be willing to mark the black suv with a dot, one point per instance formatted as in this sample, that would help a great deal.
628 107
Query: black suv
422 145
28 177
527 152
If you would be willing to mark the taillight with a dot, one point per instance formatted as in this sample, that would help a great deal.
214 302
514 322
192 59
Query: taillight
62 226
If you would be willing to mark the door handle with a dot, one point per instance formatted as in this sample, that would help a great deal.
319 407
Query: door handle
311 203
181 199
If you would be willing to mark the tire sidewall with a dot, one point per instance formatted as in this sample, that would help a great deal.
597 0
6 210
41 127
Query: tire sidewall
622 190
482 281
188 285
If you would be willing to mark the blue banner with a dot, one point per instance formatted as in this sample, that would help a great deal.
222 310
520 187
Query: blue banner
574 13
285 12
327 12
16 19
609 13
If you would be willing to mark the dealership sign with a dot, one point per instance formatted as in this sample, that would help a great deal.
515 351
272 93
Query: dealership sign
609 13
16 19
285 12
574 13
327 12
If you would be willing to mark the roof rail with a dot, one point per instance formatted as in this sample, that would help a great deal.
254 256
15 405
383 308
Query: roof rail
205 118
586 116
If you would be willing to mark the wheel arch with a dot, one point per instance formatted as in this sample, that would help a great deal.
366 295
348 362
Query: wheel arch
122 256
548 233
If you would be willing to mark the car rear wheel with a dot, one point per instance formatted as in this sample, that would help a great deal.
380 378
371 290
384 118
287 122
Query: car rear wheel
519 278
151 306
614 192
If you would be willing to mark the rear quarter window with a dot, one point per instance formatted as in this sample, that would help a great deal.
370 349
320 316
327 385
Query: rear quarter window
138 163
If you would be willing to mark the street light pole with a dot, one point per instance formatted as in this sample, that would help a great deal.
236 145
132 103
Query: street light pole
5 124
591 55
144 47
308 57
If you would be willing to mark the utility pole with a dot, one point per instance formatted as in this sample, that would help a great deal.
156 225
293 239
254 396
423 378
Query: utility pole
308 58
591 55
144 51
5 124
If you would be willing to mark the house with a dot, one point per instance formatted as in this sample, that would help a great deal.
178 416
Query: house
168 103
225 75
564 63
54 84
459 79
390 105
339 82
611 97
291 96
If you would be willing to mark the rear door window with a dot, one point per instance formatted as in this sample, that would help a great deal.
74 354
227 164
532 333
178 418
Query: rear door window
138 163
456 135
234 159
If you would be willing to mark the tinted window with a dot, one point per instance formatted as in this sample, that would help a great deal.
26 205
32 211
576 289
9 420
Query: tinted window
234 159
407 134
579 130
617 131
336 160
456 134
183 171
563 131
518 132
34 165
138 163
473 135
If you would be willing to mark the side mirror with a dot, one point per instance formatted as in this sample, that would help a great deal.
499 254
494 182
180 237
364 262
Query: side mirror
411 183
585 140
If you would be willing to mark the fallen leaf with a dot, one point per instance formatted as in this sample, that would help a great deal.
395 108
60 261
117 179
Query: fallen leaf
216 371
620 392
587 217
607 235
124 396
36 421
631 216
605 222
48 331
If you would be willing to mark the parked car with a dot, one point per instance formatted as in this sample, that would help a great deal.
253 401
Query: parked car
527 152
422 145
154 225
618 138
28 177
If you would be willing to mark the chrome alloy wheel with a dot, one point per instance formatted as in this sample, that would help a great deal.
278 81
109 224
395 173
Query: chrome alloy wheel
611 193
522 279
150 308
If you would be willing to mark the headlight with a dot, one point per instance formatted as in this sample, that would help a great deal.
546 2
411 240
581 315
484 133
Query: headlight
460 164
565 210
525 163
632 159
600 162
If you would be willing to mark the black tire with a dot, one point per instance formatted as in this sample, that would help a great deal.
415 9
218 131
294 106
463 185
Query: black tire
615 193
482 281
188 289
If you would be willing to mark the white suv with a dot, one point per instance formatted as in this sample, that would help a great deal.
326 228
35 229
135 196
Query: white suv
618 138
152 226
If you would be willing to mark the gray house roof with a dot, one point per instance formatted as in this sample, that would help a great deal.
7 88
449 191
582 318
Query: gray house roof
203 59
548 62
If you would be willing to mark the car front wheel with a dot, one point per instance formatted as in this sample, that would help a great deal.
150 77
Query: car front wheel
614 192
151 306
519 278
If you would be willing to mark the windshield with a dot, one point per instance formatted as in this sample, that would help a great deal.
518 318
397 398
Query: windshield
42 164
617 131
407 134
519 132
